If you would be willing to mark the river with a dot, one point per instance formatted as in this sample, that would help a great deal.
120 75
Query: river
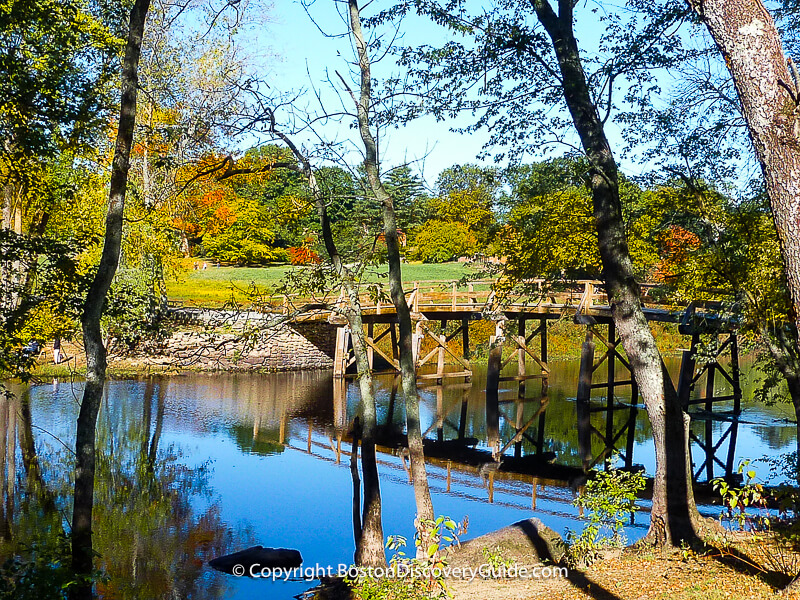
197 465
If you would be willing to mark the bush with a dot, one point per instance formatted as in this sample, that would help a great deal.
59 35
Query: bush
441 241
420 578
610 498
242 251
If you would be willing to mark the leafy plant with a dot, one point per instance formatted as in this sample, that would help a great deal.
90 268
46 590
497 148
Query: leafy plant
418 578
737 500
768 515
441 241
610 497
496 560
46 574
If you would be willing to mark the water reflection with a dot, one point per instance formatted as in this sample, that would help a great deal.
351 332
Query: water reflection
154 527
195 466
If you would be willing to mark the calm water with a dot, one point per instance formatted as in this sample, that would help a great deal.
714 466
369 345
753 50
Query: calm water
229 461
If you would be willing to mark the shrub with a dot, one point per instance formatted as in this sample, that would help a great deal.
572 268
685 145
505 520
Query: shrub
441 241
610 497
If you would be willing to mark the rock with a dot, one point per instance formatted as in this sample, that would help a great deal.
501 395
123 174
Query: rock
272 558
525 542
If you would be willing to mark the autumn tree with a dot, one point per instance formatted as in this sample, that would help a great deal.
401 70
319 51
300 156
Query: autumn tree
767 86
85 449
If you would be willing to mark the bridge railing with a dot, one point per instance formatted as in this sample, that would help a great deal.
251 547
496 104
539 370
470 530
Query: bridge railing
455 295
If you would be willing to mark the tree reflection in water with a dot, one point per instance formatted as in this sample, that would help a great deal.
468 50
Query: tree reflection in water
155 520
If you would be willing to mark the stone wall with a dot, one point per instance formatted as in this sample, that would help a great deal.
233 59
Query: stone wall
251 342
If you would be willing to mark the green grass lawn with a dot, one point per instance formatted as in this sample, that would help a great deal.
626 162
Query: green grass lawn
217 285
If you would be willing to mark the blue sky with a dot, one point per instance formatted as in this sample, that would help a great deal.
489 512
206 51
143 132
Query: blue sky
302 55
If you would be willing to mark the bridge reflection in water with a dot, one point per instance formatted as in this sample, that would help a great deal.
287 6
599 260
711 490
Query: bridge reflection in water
527 444
606 397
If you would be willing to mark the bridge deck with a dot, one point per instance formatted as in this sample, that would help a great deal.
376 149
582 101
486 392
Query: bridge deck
433 301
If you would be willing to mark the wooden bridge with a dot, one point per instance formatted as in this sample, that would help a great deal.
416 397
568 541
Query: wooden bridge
520 341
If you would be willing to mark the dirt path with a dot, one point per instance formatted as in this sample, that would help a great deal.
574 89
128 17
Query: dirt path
635 577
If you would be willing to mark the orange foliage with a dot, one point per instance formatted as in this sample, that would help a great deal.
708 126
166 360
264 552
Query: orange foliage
676 243
302 255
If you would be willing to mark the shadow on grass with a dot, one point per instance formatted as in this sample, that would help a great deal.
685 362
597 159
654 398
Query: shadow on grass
576 577
744 564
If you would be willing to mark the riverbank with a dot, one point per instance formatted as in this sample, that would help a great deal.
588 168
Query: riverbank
185 348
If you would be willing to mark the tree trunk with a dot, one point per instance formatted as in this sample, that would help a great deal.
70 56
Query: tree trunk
751 46
794 392
369 551
83 502
674 515
152 453
408 373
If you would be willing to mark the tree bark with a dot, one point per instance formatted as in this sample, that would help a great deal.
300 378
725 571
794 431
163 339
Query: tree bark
408 374
369 550
83 502
674 515
750 43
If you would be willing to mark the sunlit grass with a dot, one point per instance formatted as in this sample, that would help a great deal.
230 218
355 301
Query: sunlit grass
216 286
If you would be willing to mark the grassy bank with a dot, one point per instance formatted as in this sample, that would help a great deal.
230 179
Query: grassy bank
215 286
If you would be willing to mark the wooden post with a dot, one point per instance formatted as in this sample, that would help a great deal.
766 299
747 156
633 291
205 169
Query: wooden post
415 306
540 431
440 413
455 303
519 410
737 388
395 346
462 423
734 433
416 342
392 401
282 428
370 351
465 338
492 388
709 439
686 376
632 424
611 362
440 359
340 352
583 397
710 372
339 404
543 352
356 480
521 356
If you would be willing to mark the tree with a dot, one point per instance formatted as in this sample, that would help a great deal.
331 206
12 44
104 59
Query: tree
50 101
85 449
550 235
408 372
368 526
408 192
52 109
442 241
768 89
521 71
